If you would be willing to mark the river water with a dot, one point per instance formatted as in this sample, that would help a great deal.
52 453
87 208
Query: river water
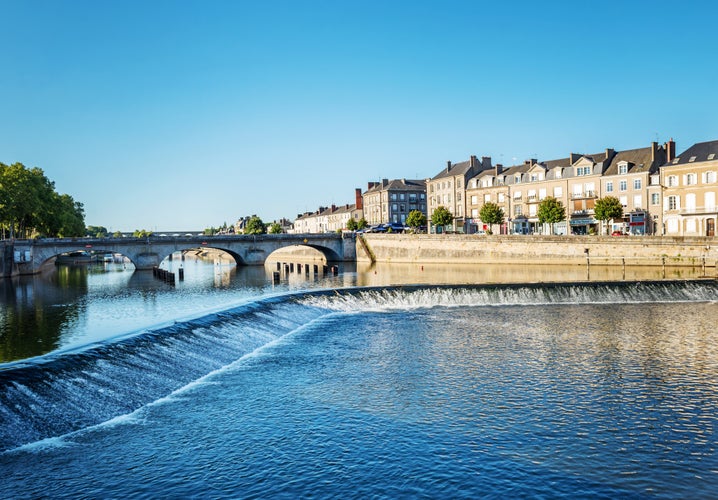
229 386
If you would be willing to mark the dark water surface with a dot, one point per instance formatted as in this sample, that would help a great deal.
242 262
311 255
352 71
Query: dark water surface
592 390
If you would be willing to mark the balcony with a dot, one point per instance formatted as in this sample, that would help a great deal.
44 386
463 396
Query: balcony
695 210
584 195
580 213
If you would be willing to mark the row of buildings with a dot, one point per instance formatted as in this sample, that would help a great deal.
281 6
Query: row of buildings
661 192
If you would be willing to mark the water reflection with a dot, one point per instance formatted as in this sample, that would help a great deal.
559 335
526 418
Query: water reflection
70 306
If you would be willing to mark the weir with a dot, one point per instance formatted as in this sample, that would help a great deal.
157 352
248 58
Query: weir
65 392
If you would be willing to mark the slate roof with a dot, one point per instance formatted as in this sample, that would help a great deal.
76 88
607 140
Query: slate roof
461 168
700 151
399 185
639 160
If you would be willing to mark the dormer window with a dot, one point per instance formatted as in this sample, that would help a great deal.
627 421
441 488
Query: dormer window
558 173
711 156
623 168
691 159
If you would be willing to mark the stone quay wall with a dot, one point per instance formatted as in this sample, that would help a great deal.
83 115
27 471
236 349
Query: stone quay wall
545 250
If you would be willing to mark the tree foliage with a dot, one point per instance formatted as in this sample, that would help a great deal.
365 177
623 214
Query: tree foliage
142 233
551 211
352 224
255 226
491 213
416 219
362 224
442 217
96 231
30 206
274 228
608 208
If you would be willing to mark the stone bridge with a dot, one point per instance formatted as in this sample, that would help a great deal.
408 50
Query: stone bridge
28 256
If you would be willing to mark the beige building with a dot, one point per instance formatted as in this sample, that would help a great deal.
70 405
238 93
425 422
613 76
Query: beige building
448 188
633 177
690 188
391 201
329 219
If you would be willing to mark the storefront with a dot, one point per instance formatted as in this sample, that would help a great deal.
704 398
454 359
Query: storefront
583 225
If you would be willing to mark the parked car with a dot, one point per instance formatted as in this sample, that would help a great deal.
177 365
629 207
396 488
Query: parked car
396 227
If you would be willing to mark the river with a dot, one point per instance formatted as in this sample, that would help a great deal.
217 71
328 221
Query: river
375 382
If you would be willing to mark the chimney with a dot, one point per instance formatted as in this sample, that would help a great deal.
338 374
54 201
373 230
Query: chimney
654 151
472 161
358 199
609 154
670 150
485 162
334 207
384 182
448 166
499 169
573 158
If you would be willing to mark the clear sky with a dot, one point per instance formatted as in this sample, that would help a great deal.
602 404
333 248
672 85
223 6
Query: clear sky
165 115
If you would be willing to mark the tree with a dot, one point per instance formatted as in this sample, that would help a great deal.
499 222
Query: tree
29 204
442 217
362 224
96 231
352 224
551 211
608 208
491 214
255 226
142 233
274 228
416 219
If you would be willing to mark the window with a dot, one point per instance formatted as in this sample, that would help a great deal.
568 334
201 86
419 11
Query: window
558 192
558 173
518 210
394 207
672 202
691 201
517 179
637 201
487 198
532 210
474 213
710 201
458 197
458 183
422 196
622 168
624 201
474 199
711 156
655 199
691 159
710 177
623 185
517 195
609 187
672 181
393 196
402 197
690 179
636 183
542 193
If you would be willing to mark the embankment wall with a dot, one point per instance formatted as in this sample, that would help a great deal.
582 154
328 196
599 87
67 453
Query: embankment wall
552 250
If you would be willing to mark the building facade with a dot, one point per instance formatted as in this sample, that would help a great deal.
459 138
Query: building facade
391 200
448 188
690 188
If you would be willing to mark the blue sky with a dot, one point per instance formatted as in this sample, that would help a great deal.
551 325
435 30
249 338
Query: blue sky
167 115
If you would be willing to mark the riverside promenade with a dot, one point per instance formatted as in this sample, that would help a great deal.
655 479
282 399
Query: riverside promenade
543 250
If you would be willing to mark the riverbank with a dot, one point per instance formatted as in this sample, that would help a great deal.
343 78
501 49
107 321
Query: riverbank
543 250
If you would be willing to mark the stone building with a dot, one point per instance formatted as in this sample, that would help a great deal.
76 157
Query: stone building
391 200
448 188
690 187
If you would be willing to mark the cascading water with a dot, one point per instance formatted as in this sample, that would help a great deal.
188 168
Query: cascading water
63 393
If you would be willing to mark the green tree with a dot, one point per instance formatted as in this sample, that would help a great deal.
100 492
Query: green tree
352 224
255 226
96 231
551 211
117 234
29 205
362 224
490 213
416 219
608 208
274 228
442 217
142 233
